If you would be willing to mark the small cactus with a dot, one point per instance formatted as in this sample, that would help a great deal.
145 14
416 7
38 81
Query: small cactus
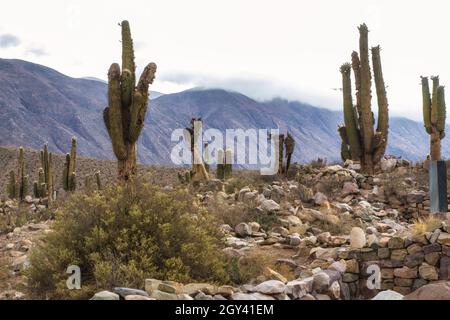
17 187
46 173
98 180
69 177
434 114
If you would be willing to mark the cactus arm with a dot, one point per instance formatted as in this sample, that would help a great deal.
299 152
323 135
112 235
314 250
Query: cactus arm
367 129
434 108
115 113
351 126
128 52
441 112
426 104
73 155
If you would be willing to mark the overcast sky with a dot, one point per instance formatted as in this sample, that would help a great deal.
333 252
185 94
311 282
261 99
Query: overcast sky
291 49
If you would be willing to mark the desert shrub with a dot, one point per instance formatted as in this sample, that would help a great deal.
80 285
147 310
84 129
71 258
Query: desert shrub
119 238
244 178
21 216
247 268
427 224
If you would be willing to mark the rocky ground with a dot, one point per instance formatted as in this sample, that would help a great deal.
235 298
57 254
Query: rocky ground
328 232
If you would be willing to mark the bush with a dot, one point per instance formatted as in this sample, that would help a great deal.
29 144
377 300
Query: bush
119 238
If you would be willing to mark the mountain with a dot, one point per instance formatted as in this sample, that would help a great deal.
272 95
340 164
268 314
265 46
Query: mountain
39 104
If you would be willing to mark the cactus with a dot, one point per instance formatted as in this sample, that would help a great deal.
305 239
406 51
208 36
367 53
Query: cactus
125 115
11 187
228 167
220 170
434 114
98 180
88 183
69 177
360 140
46 173
289 144
199 171
17 187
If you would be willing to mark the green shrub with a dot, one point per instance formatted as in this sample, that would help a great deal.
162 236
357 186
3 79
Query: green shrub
119 238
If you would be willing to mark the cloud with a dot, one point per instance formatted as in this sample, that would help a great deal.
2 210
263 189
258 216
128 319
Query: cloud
36 51
258 88
8 40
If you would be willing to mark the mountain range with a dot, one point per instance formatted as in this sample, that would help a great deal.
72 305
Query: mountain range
39 104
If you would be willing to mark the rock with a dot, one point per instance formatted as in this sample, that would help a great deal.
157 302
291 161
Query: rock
349 188
225 291
270 287
414 260
320 198
273 275
357 238
396 243
352 266
428 272
434 247
432 291
250 296
388 295
384 253
334 291
415 196
151 285
243 229
294 240
405 272
444 269
160 295
170 287
269 205
202 296
388 165
254 226
387 273
20 263
137 297
193 288
398 254
414 248
105 295
432 258
299 288
350 277
444 238
321 282
123 292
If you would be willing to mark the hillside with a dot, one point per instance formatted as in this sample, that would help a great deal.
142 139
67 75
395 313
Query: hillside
38 104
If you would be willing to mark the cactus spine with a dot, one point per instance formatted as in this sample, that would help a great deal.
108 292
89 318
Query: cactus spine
360 141
434 114
125 115
69 177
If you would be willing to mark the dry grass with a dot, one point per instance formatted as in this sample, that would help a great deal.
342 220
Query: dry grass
427 224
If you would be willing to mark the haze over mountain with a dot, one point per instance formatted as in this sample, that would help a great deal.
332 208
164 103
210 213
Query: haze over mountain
39 104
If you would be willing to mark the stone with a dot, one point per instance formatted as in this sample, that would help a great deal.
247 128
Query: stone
444 238
349 188
20 263
201 296
250 296
434 247
193 288
398 254
334 291
254 226
418 283
105 295
403 282
170 287
151 285
294 240
384 253
273 275
357 238
431 291
352 266
388 165
402 290
405 272
225 291
414 260
444 269
387 273
432 258
428 272
137 297
269 205
368 254
446 250
350 277
299 288
415 196
414 248
321 282
161 295
396 243
270 287
243 230
123 292
320 198
388 295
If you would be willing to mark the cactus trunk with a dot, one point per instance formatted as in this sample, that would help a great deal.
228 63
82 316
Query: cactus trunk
127 105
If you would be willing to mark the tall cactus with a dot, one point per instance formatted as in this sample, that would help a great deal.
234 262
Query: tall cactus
47 170
69 177
127 105
360 140
434 113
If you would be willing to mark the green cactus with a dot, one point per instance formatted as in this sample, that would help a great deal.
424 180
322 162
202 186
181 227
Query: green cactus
98 180
125 115
17 187
47 173
69 177
228 167
11 187
434 114
360 141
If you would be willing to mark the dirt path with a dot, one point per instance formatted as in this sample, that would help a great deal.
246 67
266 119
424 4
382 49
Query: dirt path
15 248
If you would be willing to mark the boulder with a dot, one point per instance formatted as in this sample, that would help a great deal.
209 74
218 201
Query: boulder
269 205
243 229
270 287
105 295
388 295
432 291
357 238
